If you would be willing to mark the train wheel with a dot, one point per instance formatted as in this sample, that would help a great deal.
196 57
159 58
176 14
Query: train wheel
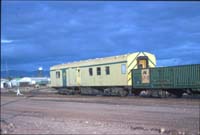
107 92
162 94
123 93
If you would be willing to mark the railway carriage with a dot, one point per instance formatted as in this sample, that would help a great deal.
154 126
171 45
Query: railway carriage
174 80
100 76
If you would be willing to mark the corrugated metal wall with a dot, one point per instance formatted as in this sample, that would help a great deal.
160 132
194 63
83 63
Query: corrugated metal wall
185 76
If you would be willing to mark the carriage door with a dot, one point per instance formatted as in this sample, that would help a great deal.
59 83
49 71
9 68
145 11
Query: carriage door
64 78
78 76
142 62
145 75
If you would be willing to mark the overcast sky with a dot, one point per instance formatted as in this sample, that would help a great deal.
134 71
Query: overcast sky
35 34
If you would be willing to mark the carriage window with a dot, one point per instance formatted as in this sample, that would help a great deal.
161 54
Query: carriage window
98 71
57 74
107 70
123 68
140 66
142 62
90 72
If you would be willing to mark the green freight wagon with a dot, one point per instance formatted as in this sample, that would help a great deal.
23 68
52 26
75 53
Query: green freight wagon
174 79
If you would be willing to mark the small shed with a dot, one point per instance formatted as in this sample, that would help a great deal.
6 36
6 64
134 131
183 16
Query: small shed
5 84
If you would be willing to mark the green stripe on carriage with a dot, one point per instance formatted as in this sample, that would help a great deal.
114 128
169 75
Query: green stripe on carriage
92 65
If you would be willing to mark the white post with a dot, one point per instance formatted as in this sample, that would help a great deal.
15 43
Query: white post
18 91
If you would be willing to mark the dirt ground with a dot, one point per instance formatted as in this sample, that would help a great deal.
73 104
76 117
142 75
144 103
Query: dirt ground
42 111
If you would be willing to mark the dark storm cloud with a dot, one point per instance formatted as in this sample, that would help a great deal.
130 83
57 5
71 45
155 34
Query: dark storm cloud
48 33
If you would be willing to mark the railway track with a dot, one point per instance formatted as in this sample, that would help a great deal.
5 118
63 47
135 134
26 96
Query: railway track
47 92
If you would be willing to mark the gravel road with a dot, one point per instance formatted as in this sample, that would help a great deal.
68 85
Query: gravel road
61 114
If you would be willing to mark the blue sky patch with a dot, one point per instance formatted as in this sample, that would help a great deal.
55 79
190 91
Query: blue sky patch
43 33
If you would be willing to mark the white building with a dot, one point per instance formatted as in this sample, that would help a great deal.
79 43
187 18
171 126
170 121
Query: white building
5 83
34 80
25 81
